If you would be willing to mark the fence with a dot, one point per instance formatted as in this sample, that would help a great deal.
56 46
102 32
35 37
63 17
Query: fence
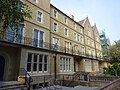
44 45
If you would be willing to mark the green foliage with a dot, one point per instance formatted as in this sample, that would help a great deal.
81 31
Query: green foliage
115 52
13 12
113 69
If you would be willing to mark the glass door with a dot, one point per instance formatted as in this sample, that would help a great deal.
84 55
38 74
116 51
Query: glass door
41 38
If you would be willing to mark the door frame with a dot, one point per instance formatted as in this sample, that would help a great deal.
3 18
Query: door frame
6 67
3 68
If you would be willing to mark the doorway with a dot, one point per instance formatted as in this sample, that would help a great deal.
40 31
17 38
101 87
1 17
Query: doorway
2 66
74 66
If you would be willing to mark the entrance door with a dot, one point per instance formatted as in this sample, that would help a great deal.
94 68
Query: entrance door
74 66
2 66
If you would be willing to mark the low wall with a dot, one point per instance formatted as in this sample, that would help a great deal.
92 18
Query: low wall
114 85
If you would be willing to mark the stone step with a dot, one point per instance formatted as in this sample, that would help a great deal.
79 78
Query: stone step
23 87
11 85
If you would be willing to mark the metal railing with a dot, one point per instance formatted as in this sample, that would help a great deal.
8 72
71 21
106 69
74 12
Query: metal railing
77 74
26 75
44 45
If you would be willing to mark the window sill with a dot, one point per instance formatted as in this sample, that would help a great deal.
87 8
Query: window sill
38 74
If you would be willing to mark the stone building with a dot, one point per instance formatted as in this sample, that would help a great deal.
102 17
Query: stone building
51 44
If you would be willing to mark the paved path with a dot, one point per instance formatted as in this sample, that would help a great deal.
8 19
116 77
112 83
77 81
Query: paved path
79 88
75 88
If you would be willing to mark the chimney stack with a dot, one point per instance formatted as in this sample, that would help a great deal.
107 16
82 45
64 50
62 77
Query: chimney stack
71 16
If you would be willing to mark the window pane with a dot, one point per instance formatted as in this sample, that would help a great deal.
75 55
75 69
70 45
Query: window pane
65 19
29 62
35 37
67 64
74 36
40 62
65 31
55 26
39 16
40 67
64 63
35 62
55 13
45 67
45 59
54 40
35 67
45 63
35 58
60 63
40 58
28 66
29 57
41 38
10 33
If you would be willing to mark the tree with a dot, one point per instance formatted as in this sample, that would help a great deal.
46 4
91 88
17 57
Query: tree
115 52
13 13
113 69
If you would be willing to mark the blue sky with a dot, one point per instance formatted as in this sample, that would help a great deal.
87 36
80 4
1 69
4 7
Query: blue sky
105 13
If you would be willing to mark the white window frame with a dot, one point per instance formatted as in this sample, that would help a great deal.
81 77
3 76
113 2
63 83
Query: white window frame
36 63
78 37
65 31
37 71
64 66
39 36
75 36
83 50
61 64
55 15
81 30
44 64
65 20
39 17
55 30
74 25
56 39
81 39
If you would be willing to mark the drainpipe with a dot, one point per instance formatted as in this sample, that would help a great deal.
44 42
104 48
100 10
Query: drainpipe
55 58
55 75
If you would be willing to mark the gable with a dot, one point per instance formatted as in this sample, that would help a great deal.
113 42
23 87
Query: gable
95 29
87 22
